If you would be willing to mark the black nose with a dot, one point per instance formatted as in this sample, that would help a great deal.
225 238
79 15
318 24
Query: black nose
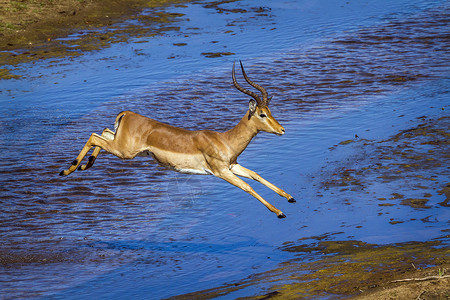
282 129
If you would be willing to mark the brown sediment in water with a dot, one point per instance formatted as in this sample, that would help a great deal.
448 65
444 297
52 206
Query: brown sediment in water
32 30
416 156
24 24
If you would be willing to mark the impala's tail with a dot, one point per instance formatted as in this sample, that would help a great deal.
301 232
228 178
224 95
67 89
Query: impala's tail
118 120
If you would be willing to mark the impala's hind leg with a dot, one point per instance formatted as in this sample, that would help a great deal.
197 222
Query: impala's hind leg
107 134
94 141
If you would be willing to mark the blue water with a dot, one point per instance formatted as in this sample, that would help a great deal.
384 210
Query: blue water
134 229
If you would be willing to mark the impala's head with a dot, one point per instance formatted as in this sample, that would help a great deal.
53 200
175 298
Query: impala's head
258 109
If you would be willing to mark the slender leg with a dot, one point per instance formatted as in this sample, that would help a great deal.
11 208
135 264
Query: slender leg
244 172
234 180
94 140
107 134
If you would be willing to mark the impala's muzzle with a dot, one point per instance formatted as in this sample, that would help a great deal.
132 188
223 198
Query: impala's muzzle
280 132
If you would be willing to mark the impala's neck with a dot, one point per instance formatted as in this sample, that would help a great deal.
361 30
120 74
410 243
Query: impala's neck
240 135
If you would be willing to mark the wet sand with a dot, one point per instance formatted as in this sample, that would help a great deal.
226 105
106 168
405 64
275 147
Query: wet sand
27 24
32 30
422 149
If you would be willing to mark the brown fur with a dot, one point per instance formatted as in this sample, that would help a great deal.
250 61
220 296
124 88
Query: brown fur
196 152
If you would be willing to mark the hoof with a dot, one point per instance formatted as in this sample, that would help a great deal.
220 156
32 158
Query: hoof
61 173
80 169
281 216
90 162
75 162
292 200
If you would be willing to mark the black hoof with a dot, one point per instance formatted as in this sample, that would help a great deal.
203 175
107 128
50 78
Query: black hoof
61 173
79 168
75 162
90 162
281 216
292 200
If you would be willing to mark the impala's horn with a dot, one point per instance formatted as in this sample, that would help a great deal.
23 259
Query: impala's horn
265 96
250 93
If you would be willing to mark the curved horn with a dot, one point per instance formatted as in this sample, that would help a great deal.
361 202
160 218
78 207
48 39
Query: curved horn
250 93
263 91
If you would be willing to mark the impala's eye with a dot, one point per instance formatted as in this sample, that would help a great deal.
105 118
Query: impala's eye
263 116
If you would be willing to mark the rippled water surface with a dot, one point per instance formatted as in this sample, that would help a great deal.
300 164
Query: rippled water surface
134 229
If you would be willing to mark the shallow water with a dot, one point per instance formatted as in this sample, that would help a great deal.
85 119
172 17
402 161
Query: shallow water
335 71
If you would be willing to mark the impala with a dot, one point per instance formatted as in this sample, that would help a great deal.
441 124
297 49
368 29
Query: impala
193 152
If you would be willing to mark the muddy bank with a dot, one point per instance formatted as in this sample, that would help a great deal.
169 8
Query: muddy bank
36 30
429 283
27 24
65 29
340 269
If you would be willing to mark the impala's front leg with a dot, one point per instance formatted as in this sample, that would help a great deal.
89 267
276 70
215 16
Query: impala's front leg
234 180
94 140
244 172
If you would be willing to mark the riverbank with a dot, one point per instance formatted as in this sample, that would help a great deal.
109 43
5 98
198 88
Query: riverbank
35 30
25 24
430 283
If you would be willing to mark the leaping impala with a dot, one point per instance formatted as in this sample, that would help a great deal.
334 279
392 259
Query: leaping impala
194 152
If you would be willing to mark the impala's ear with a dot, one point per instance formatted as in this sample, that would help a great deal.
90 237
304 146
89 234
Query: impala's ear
251 108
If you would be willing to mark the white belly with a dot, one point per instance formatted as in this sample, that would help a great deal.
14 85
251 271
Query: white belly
183 163
195 171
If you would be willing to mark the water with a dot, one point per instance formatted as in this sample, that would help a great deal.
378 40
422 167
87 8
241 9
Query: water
134 229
